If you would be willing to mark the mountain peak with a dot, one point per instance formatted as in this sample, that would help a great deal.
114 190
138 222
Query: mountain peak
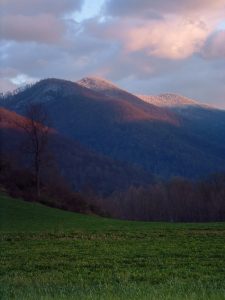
176 99
97 84
169 100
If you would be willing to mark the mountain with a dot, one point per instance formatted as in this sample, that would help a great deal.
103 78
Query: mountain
168 100
199 119
48 90
114 123
81 167
108 89
10 120
100 85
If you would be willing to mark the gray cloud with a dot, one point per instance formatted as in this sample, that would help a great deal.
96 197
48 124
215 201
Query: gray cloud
36 20
148 8
35 7
215 46
6 85
40 28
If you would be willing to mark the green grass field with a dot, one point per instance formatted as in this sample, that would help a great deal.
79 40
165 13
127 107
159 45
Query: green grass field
51 254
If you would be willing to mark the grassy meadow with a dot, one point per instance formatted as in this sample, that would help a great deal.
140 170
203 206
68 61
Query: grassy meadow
51 254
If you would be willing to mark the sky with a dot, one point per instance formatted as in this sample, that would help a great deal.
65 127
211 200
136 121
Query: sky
144 46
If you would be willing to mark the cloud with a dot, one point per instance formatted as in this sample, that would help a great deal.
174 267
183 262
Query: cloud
36 20
41 28
80 54
35 7
147 8
175 38
6 85
174 29
215 46
172 39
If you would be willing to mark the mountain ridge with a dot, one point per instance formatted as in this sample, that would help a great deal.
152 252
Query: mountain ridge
130 106
125 128
172 100
111 90
168 100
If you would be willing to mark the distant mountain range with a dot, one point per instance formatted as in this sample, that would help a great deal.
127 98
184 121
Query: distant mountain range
166 135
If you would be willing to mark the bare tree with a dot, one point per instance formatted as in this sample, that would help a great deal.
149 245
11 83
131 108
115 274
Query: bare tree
36 143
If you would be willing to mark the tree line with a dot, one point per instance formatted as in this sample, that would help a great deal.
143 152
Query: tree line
178 200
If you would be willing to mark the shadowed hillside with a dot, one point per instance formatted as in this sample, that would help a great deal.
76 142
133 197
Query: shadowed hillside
122 127
81 167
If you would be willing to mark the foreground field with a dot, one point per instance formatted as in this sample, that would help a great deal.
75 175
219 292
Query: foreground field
51 254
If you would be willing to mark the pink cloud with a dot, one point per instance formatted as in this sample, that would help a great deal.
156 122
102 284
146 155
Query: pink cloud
177 34
181 29
173 39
